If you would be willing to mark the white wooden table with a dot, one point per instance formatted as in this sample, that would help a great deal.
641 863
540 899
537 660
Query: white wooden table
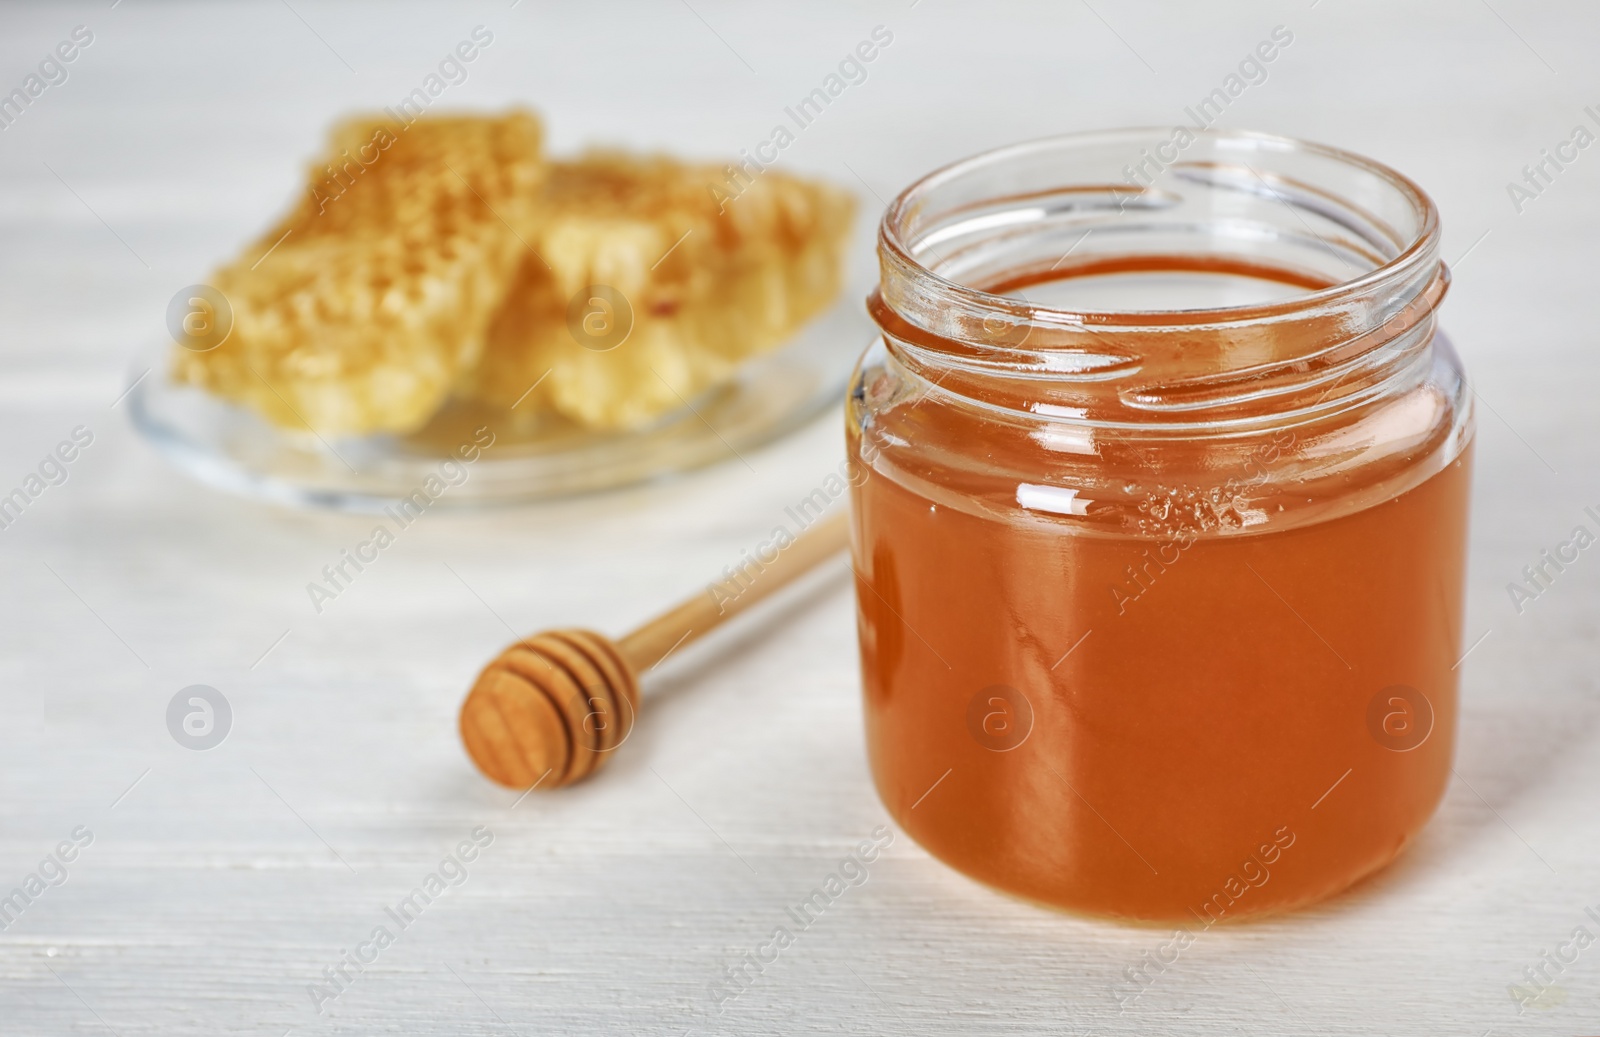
220 885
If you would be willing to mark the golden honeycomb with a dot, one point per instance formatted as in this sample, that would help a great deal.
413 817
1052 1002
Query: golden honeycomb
705 282
358 312
445 258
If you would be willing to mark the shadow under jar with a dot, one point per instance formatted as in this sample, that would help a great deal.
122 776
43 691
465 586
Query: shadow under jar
1160 519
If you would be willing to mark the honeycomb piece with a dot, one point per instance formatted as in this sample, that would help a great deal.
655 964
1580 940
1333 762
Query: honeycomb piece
707 289
375 292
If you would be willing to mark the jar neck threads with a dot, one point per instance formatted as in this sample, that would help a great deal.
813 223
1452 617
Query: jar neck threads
1259 279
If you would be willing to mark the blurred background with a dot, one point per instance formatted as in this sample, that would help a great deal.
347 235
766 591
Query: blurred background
219 890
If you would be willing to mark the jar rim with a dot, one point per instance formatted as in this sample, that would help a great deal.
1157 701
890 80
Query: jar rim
1419 252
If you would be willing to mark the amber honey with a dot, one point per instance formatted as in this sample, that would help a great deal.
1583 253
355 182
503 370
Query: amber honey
1160 607
1187 725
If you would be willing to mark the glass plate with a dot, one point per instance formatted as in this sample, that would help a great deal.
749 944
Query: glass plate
230 447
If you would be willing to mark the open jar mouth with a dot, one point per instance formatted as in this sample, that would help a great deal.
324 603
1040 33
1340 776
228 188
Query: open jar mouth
1161 275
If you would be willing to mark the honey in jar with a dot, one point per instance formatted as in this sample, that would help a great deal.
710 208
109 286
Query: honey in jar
1160 538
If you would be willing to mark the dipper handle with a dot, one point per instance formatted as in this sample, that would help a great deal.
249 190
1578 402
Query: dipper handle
695 616
549 709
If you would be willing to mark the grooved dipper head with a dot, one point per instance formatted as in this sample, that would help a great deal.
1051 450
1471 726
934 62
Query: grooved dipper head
549 710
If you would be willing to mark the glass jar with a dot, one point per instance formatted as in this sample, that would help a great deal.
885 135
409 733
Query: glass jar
1159 531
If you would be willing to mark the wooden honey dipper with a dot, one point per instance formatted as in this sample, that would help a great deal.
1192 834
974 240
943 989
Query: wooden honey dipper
549 709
